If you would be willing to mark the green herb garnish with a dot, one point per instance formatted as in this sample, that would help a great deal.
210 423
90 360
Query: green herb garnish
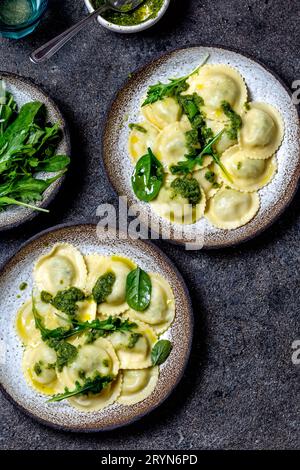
27 146
38 368
235 121
199 136
138 289
66 353
92 385
46 297
187 187
147 177
211 177
173 88
138 127
65 300
160 352
23 286
133 339
103 327
103 287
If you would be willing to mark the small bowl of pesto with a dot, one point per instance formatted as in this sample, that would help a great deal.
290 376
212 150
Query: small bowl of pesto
143 17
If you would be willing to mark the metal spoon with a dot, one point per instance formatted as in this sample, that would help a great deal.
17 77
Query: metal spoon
55 44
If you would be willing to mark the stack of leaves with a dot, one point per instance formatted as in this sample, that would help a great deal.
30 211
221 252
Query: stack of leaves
27 147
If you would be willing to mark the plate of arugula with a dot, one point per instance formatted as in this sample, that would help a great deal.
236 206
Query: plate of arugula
210 156
96 330
34 150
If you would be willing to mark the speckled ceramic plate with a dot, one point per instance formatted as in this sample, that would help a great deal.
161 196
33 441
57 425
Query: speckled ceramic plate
24 91
19 269
263 85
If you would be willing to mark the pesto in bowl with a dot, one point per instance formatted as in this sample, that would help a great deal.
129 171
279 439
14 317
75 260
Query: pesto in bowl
149 9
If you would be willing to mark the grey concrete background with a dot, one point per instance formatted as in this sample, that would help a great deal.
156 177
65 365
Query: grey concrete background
241 389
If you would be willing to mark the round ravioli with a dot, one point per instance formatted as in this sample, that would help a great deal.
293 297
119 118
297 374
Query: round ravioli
209 180
176 208
141 138
161 311
39 368
216 83
262 131
91 402
247 174
162 112
170 147
95 358
224 142
63 267
99 266
134 347
138 385
230 209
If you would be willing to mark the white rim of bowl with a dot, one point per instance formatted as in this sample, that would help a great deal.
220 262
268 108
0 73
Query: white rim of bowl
129 29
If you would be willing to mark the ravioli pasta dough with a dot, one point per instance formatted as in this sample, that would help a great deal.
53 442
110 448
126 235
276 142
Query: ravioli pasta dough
230 209
138 385
141 138
84 344
217 83
137 355
206 116
262 131
246 173
63 267
162 113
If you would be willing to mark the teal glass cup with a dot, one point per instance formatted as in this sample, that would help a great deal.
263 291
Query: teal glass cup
18 18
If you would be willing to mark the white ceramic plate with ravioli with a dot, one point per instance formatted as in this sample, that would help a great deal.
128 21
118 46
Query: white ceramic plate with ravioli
19 270
263 86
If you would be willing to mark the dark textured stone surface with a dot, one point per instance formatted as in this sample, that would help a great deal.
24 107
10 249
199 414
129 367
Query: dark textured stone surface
241 389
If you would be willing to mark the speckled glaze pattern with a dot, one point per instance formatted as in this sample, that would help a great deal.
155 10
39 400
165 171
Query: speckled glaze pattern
88 240
24 91
262 86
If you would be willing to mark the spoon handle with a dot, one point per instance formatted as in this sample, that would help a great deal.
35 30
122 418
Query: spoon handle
50 48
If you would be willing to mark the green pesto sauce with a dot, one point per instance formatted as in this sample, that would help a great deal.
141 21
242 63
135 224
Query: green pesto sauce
103 287
147 10
188 188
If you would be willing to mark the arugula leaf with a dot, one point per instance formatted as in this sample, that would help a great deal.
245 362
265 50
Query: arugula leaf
161 351
92 385
147 177
54 163
105 327
138 289
174 87
9 201
27 146
188 166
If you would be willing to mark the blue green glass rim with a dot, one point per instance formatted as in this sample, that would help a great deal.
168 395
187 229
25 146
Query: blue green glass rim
27 24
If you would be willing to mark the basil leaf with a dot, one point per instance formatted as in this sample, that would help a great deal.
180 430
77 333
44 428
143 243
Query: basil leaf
147 177
138 290
161 351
